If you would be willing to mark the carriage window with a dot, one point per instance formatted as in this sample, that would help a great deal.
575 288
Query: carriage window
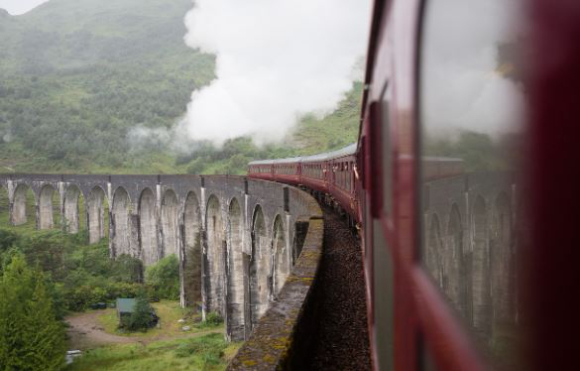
471 102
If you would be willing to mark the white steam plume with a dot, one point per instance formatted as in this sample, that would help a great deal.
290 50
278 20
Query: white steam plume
462 86
276 60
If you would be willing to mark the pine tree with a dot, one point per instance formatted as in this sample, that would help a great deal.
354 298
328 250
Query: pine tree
142 317
31 338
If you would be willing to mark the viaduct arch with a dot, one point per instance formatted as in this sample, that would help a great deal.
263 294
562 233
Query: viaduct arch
470 249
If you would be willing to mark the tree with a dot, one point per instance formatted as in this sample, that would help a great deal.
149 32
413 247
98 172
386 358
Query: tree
31 338
127 269
164 277
142 317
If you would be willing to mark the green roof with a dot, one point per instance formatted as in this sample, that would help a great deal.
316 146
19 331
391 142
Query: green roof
126 305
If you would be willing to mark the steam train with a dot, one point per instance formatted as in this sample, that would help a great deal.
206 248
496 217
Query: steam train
417 51
335 175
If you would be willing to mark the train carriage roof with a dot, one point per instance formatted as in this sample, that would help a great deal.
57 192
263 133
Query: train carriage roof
287 160
346 151
261 162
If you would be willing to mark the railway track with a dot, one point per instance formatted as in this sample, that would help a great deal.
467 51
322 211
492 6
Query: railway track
341 342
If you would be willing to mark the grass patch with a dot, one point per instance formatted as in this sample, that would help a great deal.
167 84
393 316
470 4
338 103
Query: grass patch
209 353
169 312
212 320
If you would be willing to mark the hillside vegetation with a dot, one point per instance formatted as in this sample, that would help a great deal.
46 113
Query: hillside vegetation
77 75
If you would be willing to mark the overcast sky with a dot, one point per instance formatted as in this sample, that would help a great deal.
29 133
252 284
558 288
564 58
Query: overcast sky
16 7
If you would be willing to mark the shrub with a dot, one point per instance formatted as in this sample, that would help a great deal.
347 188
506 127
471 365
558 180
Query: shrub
164 277
196 166
142 318
126 268
212 319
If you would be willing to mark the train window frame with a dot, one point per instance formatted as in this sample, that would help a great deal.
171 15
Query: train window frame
473 351
387 167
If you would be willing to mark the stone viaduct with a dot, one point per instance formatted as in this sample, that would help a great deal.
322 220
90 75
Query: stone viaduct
469 247
239 244
236 239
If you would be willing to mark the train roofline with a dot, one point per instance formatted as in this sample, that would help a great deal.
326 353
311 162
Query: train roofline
346 151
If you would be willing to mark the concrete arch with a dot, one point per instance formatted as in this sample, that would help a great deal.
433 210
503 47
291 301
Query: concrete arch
281 268
481 284
502 263
170 223
235 295
148 227
96 201
46 207
19 212
192 256
121 223
72 209
215 256
260 272
434 251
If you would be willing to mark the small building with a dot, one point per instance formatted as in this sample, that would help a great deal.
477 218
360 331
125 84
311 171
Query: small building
125 307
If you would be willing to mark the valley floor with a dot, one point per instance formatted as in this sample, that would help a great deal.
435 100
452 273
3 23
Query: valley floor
201 348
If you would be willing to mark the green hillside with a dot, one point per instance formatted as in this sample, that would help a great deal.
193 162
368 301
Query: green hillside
76 75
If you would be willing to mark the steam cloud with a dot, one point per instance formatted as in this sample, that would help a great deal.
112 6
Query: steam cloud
462 87
276 60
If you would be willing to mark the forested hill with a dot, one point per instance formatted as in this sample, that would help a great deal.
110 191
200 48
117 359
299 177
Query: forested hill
76 75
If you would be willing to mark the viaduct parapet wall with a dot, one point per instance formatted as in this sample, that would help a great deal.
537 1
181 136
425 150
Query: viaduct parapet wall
237 239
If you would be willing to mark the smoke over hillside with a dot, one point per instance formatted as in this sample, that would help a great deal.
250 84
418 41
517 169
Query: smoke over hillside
276 60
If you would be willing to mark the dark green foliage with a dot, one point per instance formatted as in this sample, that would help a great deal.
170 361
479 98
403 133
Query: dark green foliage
163 277
478 151
197 166
7 239
31 337
78 274
213 319
82 297
127 269
142 317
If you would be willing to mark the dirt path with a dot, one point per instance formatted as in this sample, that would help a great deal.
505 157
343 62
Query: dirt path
86 332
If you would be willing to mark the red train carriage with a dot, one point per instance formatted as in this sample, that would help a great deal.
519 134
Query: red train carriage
463 181
286 170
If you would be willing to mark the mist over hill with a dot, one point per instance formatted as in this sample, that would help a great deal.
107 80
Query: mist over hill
76 76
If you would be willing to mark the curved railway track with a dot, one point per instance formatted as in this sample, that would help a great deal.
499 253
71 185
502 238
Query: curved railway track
341 341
